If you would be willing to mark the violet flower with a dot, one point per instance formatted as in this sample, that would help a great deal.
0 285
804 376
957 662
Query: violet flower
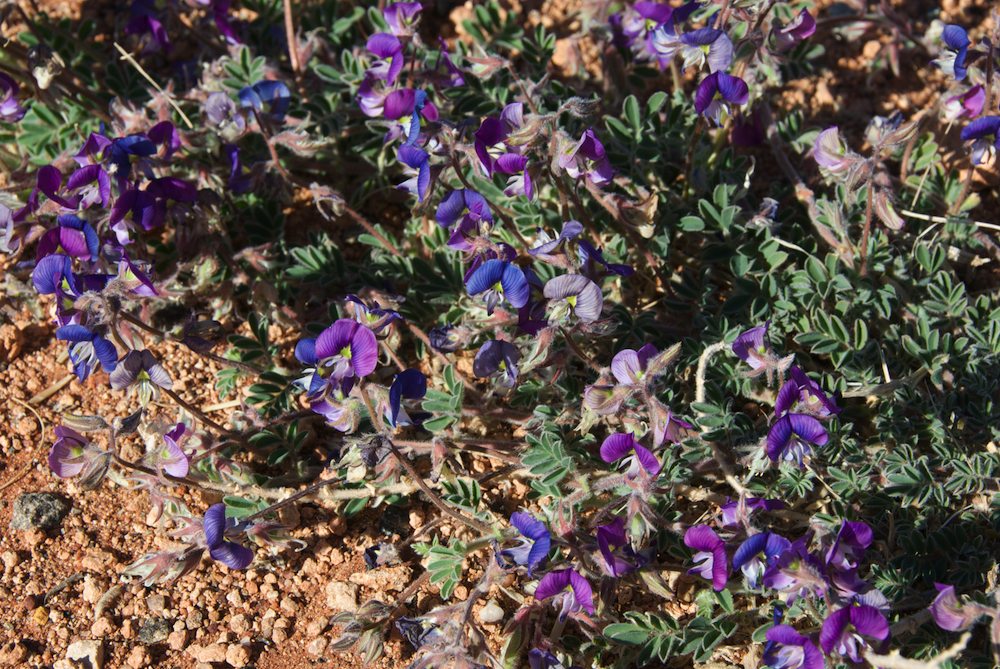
591 256
410 384
792 436
956 42
629 366
619 558
93 185
571 591
709 45
87 349
497 356
801 27
11 110
72 236
831 154
710 555
665 425
140 371
417 168
548 247
472 213
949 613
169 457
499 280
534 545
343 351
847 631
967 105
800 394
224 116
716 93
757 553
852 540
270 96
586 157
985 135
573 293
389 58
623 446
229 553
373 317
408 106
796 573
143 22
51 271
736 513
753 348
401 17
74 455
496 154
787 649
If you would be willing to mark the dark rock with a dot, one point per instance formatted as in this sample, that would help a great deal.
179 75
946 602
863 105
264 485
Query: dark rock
39 510
154 630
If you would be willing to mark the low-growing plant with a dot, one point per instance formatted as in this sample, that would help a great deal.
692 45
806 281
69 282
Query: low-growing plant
744 359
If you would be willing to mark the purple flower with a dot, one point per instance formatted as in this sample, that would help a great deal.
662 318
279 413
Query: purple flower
401 17
418 169
852 540
52 271
716 93
709 45
11 110
496 154
139 369
548 247
134 277
665 425
229 553
787 649
586 157
72 236
410 384
623 445
753 348
968 105
570 589
846 631
801 27
590 256
389 58
497 356
499 280
757 553
408 107
619 558
371 97
470 210
629 366
373 317
710 555
534 545
573 293
93 185
220 15
985 135
223 114
74 455
956 42
170 457
803 395
737 513
949 613
345 350
87 349
796 573
791 437
830 152
142 23
274 95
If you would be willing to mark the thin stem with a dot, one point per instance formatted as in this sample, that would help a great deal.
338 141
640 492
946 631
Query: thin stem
435 499
580 354
196 412
127 57
867 230
293 51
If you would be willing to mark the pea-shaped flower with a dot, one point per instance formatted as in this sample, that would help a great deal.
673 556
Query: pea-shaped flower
569 588
717 93
345 350
573 293
846 631
229 553
140 371
497 280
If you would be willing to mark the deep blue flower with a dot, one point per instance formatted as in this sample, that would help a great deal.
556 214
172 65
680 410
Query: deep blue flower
716 93
72 236
985 135
408 107
472 213
87 349
707 45
497 356
757 553
410 384
792 436
418 169
952 61
270 97
534 543
229 553
499 280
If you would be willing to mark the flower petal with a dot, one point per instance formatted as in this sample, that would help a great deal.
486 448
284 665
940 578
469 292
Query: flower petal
617 446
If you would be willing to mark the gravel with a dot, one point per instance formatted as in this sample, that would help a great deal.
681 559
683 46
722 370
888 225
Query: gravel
39 511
